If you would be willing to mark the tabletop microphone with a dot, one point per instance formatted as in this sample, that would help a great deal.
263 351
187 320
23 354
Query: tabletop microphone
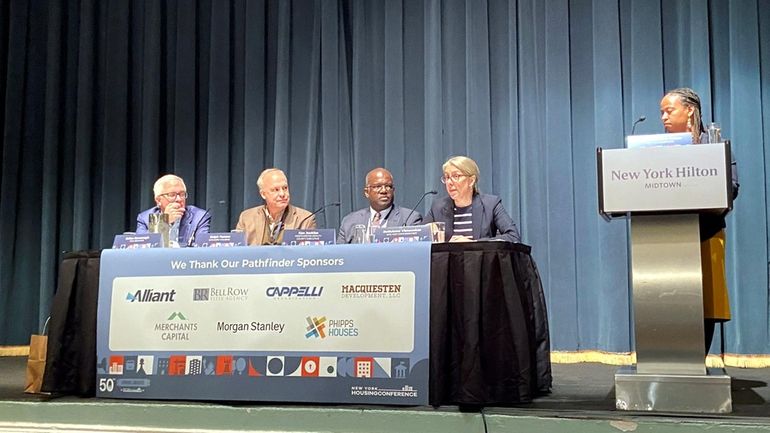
336 203
418 203
197 226
638 121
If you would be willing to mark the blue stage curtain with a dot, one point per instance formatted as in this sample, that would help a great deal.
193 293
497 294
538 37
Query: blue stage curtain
99 98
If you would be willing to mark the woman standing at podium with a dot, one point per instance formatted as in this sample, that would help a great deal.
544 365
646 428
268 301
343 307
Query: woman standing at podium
680 111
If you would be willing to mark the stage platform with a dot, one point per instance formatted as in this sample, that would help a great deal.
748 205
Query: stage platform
582 401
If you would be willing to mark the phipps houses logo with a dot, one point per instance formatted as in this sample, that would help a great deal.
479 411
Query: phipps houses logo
322 328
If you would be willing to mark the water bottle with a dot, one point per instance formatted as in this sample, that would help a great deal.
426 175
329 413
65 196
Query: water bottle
715 133
159 224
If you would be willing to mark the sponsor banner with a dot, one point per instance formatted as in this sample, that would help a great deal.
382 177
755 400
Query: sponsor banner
664 178
338 324
317 312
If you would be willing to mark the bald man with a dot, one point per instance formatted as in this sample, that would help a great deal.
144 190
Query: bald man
171 199
264 225
379 190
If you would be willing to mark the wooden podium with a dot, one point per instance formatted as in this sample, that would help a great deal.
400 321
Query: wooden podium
663 190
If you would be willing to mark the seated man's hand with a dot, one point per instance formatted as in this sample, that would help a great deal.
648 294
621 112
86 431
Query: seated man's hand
460 238
174 212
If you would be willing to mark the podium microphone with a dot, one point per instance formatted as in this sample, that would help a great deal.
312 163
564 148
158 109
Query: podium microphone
195 231
639 120
336 203
418 203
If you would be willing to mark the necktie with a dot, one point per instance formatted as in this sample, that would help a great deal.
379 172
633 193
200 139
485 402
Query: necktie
376 219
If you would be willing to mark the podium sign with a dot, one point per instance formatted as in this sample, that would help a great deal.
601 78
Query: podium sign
660 179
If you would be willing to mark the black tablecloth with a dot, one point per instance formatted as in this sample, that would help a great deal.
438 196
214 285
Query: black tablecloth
488 339
70 366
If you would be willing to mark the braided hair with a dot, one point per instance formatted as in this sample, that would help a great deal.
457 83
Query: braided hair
691 99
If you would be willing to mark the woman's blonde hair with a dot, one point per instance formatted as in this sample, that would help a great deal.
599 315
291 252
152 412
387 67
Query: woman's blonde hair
466 166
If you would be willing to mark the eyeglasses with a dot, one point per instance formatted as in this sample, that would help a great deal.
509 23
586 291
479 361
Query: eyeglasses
385 187
174 195
455 177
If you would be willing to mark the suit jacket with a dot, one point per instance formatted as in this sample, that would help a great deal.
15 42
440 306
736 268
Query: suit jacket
398 216
253 222
193 217
489 218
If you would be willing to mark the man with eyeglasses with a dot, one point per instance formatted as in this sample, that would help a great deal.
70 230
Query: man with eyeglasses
379 190
171 199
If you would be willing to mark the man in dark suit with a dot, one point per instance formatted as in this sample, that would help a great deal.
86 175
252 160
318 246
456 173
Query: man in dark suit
171 199
379 190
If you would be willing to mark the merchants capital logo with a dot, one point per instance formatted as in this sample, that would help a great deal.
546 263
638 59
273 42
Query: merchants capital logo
316 327
151 295
176 315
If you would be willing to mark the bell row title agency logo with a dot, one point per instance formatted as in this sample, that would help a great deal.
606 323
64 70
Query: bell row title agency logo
151 295
175 328
320 327
663 178
221 294
370 291
294 292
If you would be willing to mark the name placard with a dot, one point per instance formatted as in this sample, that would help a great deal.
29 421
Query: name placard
218 240
402 234
134 241
310 237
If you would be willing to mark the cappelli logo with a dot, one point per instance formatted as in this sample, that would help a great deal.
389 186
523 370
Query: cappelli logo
151 295
286 292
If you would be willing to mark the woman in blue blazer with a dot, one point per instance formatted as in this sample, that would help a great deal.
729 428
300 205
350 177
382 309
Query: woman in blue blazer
468 214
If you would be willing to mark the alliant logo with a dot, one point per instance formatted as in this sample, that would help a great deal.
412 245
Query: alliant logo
287 292
370 291
151 295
